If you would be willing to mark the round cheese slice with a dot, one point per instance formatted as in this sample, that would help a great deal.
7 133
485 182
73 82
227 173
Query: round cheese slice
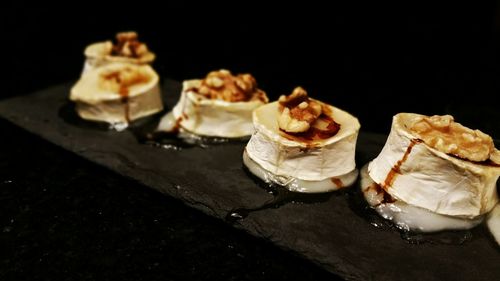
328 160
419 175
99 54
93 102
409 217
210 117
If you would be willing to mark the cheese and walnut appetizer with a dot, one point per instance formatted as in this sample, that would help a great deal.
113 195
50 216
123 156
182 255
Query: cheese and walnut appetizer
303 144
127 49
219 105
437 166
117 93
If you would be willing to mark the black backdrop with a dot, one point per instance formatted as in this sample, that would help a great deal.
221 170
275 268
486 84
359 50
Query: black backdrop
373 61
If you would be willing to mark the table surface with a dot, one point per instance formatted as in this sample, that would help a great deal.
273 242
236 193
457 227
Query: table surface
64 242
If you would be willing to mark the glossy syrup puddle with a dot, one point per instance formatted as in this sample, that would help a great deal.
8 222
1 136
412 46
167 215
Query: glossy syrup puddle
179 141
281 196
360 207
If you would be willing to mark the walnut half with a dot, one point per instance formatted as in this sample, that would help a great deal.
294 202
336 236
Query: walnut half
445 135
224 86
128 45
298 112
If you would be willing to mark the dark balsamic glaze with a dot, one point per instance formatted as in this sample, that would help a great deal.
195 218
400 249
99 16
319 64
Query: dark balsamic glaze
313 137
360 207
338 182
395 170
126 106
387 198
281 196
314 134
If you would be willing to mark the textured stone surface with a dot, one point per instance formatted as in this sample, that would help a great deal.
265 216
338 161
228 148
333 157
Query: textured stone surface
213 180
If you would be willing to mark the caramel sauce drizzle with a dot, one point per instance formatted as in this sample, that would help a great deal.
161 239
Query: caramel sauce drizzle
123 89
311 136
378 189
338 182
125 101
315 134
395 170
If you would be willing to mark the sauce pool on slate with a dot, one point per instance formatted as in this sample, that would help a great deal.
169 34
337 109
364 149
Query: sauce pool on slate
281 196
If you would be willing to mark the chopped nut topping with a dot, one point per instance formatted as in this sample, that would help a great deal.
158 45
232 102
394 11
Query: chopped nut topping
495 156
303 105
120 80
445 135
299 112
288 124
128 45
223 85
306 118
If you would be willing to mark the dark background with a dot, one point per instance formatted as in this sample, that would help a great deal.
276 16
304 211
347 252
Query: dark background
63 216
372 60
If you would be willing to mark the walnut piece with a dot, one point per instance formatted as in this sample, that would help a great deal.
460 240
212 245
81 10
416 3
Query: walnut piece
495 156
445 135
298 111
224 86
128 45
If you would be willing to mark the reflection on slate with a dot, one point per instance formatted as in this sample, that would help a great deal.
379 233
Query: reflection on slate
212 179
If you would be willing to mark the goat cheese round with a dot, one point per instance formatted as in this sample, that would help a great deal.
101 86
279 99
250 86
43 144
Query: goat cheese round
292 159
117 93
220 105
426 162
409 217
127 49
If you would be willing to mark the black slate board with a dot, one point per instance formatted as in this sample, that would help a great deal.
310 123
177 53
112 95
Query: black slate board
213 180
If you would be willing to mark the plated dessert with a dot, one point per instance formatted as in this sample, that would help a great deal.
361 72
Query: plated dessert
303 144
117 93
220 105
127 49
433 174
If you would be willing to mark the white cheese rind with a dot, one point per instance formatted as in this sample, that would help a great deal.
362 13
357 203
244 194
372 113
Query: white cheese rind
94 103
431 179
298 185
210 117
280 156
409 217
